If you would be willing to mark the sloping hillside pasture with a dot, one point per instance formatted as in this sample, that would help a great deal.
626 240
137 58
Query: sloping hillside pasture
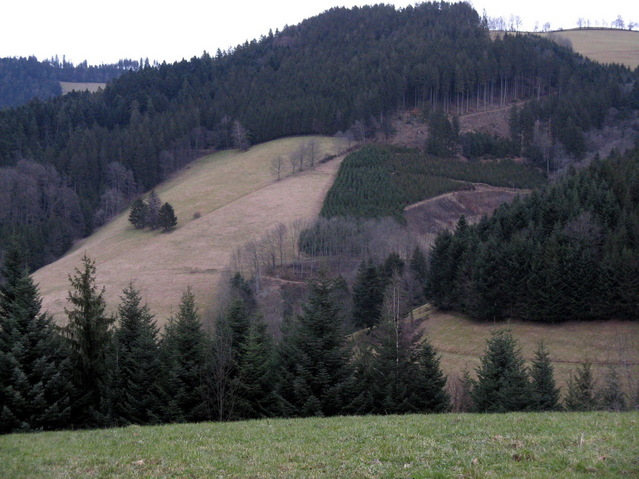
604 45
461 341
550 445
68 87
221 201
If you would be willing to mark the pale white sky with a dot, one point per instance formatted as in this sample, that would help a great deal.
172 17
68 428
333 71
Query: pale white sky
103 32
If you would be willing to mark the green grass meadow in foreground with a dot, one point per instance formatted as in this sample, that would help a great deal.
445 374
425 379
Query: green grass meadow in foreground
532 445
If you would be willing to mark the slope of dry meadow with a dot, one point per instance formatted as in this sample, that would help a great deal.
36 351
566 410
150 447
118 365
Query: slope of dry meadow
237 200
604 45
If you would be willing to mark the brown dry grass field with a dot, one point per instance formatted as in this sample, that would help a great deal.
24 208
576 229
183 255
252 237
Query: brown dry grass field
461 341
237 200
80 86
604 46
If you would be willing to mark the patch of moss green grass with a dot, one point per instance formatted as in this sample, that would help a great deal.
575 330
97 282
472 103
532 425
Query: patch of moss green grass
521 445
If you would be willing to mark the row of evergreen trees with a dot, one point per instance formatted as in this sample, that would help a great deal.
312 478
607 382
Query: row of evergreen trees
503 382
102 370
570 252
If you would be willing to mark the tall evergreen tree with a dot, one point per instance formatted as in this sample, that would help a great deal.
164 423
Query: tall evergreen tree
89 337
256 372
184 348
502 380
138 368
166 218
35 382
611 396
419 271
581 390
544 390
431 382
139 213
368 295
394 373
315 376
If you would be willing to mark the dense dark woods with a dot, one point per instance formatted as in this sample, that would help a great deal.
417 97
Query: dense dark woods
568 252
347 69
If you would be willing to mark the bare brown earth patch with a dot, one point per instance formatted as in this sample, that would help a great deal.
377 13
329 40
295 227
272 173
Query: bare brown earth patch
431 216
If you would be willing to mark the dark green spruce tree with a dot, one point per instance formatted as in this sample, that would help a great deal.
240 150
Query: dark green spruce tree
581 390
394 374
138 214
430 380
611 396
368 295
138 368
35 383
394 371
545 394
314 360
502 380
183 349
166 218
256 372
90 341
419 272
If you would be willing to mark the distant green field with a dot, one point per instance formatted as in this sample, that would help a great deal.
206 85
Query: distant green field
80 86
533 445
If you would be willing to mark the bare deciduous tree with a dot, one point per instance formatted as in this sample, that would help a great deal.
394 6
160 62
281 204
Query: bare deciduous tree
277 167
240 136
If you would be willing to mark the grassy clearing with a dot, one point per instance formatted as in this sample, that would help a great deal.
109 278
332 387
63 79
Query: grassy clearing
461 341
604 46
566 445
236 200
68 87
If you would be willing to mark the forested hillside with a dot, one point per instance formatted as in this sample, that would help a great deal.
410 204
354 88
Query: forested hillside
347 69
23 79
570 252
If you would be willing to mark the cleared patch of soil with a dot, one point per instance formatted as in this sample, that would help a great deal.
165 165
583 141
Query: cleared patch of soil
431 216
